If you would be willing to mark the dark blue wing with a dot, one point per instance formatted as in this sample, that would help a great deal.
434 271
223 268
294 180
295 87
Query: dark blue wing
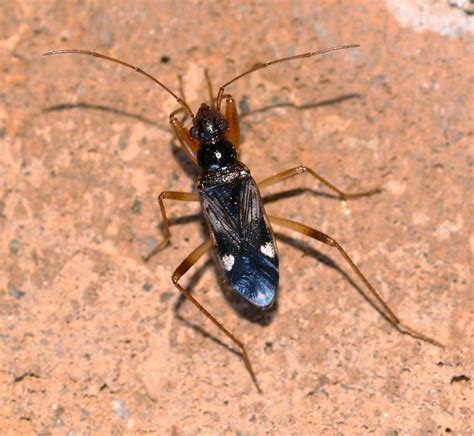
243 238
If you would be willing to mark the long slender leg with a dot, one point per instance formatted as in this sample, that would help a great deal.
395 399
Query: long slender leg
232 117
292 172
319 236
179 272
171 195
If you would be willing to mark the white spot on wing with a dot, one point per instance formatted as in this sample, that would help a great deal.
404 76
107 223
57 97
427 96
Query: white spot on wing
268 249
228 261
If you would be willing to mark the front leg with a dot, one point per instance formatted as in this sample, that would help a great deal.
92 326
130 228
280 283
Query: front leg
232 117
292 172
190 145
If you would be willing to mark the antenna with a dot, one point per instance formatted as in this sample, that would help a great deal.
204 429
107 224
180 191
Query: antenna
267 64
118 61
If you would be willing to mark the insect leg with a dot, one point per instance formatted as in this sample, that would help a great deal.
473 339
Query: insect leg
185 265
232 117
189 144
171 195
319 236
292 172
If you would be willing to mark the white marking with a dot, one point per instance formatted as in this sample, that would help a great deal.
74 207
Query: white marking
268 249
218 154
261 296
228 261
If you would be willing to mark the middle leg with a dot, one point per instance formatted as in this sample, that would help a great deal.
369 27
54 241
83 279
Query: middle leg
172 195
302 169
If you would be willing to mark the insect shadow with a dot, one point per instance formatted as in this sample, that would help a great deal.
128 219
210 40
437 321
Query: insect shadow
103 108
307 249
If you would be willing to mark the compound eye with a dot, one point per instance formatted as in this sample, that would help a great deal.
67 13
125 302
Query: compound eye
194 132
222 125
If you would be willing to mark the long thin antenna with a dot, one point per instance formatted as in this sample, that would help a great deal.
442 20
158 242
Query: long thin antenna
267 64
118 61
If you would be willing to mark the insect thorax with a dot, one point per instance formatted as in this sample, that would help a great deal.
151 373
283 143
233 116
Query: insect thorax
216 154
226 174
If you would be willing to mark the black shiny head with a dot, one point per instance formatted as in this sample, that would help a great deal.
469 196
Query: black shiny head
209 125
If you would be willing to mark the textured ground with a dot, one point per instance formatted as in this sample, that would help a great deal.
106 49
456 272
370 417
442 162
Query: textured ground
91 338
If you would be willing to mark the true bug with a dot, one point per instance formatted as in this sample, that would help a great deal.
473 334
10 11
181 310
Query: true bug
240 230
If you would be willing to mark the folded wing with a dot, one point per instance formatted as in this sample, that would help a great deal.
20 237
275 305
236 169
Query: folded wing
243 238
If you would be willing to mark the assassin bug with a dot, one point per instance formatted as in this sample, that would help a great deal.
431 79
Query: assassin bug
240 229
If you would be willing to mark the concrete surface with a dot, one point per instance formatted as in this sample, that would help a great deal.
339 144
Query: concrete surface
90 339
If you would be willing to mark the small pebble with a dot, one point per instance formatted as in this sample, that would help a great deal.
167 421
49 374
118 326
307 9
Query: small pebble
120 409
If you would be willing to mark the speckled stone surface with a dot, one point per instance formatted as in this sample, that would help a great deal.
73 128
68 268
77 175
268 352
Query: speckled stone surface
95 341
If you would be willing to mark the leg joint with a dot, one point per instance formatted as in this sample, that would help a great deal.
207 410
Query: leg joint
330 241
240 345
301 169
320 236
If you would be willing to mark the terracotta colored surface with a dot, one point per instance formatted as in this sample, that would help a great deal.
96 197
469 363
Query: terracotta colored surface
90 338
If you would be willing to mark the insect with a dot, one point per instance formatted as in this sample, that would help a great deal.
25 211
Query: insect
240 230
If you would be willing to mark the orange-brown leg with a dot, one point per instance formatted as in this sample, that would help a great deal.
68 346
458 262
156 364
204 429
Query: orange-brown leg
189 144
304 169
179 272
171 195
232 117
319 236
